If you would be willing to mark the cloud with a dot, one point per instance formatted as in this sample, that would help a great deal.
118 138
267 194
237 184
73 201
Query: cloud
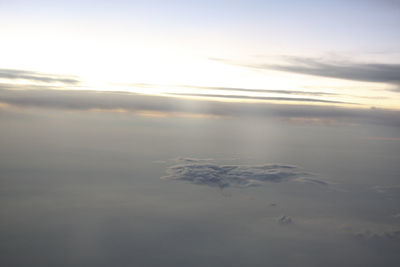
309 180
388 191
12 74
191 160
365 72
236 89
285 92
96 100
292 99
390 239
284 220
208 173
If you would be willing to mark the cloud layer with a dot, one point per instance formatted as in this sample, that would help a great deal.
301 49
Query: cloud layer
237 89
388 191
270 98
209 173
389 239
364 72
95 100
12 74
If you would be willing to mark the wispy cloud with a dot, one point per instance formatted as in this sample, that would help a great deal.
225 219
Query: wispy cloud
208 173
365 72
236 89
267 98
13 74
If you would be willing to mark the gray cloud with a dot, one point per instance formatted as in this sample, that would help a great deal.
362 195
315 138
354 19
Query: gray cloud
285 92
212 174
314 181
388 191
87 100
191 160
294 99
396 215
365 72
31 87
390 239
36 76
284 220
244 90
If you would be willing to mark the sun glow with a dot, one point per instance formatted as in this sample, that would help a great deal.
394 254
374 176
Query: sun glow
134 61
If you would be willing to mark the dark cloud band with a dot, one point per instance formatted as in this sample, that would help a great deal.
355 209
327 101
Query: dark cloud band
267 98
363 72
236 89
36 76
88 100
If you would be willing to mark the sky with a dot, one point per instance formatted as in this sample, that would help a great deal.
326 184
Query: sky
200 133
345 49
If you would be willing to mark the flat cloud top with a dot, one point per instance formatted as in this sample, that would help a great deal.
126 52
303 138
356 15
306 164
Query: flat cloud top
208 173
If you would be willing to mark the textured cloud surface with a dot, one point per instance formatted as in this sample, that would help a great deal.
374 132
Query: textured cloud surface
208 173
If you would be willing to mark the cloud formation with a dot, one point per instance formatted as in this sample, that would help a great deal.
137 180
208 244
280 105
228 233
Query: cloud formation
209 173
236 89
364 72
245 90
284 220
292 99
95 100
12 74
388 191
390 239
